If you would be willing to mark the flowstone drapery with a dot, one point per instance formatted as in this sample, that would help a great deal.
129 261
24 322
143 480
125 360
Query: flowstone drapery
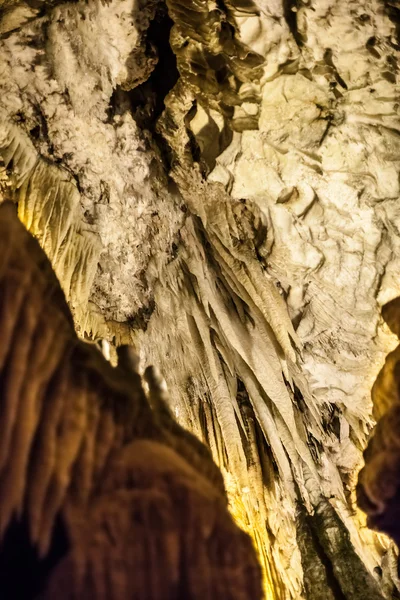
218 182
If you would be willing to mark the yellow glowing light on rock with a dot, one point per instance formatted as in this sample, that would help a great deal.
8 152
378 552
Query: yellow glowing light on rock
240 509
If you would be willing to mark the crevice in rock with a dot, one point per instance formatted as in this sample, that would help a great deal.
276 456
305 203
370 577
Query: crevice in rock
351 574
290 13
141 318
165 74
265 457
328 58
319 578
393 11
147 100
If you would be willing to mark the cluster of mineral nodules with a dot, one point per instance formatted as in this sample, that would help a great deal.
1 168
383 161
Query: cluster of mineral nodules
378 490
140 499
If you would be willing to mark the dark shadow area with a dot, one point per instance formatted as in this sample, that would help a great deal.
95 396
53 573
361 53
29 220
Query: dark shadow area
23 575
146 101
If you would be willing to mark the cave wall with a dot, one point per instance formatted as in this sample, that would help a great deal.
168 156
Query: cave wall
218 183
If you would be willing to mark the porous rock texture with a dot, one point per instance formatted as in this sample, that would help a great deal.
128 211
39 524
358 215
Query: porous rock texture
218 183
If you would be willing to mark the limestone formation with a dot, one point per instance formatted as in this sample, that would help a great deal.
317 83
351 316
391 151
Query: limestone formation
142 504
217 183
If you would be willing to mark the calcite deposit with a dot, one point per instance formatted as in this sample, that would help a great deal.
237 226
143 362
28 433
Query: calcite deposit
217 182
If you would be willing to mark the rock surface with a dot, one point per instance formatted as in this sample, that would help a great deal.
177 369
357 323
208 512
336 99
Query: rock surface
227 198
84 448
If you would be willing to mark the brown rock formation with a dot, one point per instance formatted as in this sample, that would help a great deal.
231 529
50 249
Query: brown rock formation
378 487
140 501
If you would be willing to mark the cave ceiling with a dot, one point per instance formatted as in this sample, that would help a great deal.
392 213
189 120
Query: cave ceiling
217 183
